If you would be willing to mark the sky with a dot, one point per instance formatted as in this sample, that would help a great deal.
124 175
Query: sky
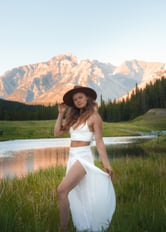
111 31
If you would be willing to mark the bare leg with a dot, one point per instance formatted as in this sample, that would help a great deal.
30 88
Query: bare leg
73 177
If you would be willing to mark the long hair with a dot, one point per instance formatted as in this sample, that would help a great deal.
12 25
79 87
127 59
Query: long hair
76 117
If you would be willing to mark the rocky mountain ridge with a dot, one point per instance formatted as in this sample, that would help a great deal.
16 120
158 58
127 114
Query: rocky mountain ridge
46 82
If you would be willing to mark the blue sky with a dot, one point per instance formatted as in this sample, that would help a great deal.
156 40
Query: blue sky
111 31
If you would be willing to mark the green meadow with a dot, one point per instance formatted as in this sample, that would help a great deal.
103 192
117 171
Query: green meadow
29 204
151 121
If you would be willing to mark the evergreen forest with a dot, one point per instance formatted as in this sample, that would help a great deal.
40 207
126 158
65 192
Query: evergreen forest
139 102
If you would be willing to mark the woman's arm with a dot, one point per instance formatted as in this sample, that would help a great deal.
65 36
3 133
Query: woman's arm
97 127
58 126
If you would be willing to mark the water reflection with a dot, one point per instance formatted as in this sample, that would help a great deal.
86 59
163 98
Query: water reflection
122 150
23 162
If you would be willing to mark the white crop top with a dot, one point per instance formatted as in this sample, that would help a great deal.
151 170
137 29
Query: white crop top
81 133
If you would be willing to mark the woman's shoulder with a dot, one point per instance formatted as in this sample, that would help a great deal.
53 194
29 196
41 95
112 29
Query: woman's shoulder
95 117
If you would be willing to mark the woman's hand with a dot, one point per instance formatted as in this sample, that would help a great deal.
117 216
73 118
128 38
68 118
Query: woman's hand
61 108
58 125
110 172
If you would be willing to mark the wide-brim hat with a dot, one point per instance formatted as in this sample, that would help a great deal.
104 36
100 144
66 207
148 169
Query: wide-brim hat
68 96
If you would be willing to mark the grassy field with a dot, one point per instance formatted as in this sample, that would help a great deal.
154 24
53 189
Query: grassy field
30 204
151 121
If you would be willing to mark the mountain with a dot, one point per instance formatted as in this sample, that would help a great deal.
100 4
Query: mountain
46 82
161 72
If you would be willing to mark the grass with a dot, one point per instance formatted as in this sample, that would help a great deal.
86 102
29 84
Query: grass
140 187
26 129
151 121
44 129
29 204
156 145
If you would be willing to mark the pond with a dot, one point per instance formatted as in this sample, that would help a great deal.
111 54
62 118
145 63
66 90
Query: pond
20 157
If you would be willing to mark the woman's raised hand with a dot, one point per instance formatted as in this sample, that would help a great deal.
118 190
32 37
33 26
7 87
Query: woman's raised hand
61 108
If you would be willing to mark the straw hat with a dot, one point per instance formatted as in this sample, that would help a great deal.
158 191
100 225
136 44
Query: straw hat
68 96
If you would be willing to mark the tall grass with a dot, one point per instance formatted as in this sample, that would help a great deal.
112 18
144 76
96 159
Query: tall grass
29 204
141 190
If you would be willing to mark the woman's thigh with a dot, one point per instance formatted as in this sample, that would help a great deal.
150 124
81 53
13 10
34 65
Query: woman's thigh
73 177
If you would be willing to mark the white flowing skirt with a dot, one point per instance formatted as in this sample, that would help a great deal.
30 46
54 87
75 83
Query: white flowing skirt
92 201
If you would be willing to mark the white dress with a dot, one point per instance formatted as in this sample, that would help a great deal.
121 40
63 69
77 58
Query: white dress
92 201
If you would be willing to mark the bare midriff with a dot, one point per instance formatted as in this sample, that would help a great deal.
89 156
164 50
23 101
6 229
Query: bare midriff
79 143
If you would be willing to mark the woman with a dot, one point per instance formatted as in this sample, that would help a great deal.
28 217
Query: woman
86 190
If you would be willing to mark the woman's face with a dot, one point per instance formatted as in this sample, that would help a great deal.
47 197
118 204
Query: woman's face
80 100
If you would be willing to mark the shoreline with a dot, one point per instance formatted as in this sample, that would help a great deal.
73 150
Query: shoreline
28 144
